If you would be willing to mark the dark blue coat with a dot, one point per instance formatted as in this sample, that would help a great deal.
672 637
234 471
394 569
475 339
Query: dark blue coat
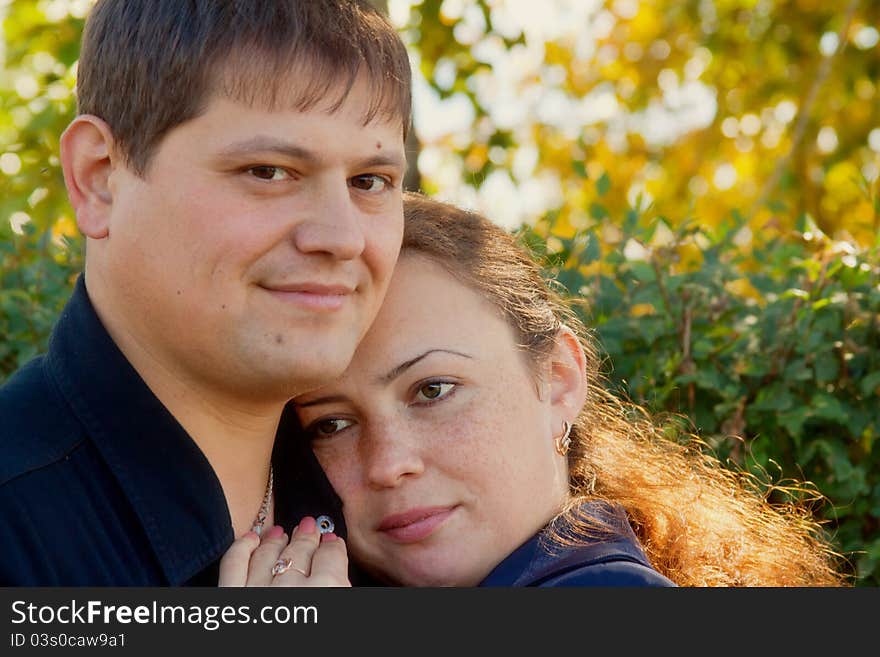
615 560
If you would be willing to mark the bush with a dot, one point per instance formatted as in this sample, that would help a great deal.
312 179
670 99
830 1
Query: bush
37 272
771 350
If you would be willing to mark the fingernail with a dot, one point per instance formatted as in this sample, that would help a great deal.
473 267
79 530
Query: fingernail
329 536
308 525
275 531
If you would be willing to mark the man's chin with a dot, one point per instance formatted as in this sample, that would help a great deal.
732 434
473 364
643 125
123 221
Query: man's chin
314 371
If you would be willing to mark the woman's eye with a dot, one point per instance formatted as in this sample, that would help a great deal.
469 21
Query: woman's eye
328 427
370 182
265 172
433 391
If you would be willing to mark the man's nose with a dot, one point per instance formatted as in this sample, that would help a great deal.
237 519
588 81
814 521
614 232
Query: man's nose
390 456
333 225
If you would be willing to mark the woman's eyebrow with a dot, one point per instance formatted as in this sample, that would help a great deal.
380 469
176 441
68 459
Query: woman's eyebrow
384 379
400 369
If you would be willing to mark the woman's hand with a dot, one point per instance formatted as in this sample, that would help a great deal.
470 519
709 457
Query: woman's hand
308 559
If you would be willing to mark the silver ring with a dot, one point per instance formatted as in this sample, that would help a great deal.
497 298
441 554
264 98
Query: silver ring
283 565
325 524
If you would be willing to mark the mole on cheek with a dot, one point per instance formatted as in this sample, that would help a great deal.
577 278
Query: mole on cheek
279 339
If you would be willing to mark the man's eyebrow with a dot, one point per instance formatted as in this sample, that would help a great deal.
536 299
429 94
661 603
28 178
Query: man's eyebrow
329 399
269 145
382 161
384 379
400 369
265 144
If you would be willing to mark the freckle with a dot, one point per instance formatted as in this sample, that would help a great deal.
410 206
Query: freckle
279 339
378 145
178 293
223 306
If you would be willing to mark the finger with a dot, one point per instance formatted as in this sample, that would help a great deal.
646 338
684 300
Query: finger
234 564
265 556
330 563
304 541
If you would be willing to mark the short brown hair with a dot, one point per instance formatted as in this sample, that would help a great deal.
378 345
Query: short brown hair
146 66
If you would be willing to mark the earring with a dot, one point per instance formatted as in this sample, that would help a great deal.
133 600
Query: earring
563 442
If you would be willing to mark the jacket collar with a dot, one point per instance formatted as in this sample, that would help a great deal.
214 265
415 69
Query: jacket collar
540 558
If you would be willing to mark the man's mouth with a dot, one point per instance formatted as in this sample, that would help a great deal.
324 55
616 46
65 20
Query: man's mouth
311 296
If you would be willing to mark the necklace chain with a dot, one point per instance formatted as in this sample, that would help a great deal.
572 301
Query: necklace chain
263 513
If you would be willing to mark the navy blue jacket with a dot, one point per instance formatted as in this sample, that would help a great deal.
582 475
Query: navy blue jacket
617 560
101 486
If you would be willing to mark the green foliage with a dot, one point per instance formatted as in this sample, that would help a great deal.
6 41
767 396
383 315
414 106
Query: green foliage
777 368
36 277
40 252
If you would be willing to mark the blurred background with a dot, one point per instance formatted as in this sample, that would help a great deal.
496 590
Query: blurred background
701 176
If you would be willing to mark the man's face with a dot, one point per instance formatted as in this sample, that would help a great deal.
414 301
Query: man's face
256 249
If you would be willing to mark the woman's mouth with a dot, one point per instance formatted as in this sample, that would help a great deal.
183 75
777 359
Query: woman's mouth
415 524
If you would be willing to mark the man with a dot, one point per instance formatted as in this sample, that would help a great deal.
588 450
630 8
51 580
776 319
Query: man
236 170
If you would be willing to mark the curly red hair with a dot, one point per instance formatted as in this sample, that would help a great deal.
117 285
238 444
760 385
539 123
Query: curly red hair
700 523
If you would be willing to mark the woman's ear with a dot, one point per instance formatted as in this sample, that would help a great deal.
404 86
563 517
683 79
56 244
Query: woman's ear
568 378
86 158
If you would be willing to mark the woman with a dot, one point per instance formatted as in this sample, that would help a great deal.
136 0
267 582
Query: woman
472 443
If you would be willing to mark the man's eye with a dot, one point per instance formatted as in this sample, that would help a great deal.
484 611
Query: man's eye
370 182
433 391
328 427
265 172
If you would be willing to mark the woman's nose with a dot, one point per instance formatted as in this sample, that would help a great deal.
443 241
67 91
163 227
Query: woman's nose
390 456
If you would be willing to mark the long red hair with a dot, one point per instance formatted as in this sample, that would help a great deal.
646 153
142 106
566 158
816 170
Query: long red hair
699 522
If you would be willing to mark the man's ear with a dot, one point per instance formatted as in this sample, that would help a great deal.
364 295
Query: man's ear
568 378
87 147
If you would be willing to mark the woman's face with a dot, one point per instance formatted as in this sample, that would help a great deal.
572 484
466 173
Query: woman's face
438 437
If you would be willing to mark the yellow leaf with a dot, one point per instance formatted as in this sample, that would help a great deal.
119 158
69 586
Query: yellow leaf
842 182
642 309
562 228
743 288
64 226
646 24
477 157
594 269
690 257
